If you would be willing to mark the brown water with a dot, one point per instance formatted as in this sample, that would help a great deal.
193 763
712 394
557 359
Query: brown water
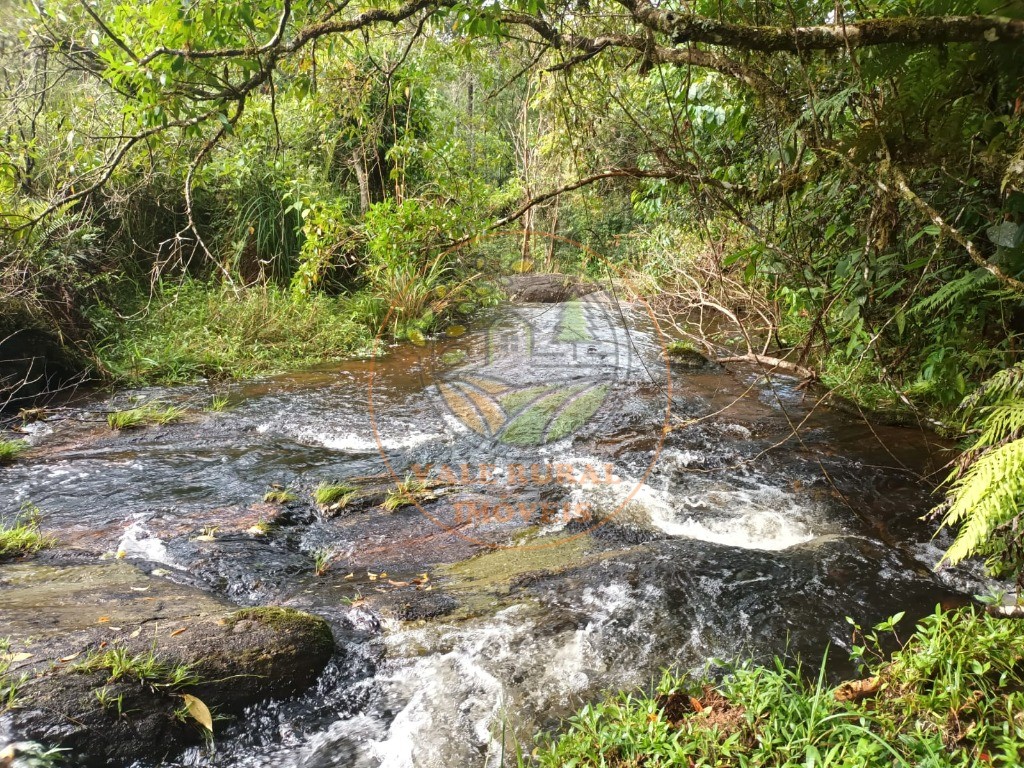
728 533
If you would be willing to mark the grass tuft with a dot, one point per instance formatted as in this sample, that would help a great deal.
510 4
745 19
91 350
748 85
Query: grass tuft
10 450
21 536
405 493
333 495
279 496
144 415
145 667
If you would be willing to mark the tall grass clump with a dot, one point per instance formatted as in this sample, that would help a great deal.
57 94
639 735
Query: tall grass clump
952 696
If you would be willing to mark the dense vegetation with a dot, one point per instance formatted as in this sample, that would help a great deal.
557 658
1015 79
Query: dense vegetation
225 187
951 697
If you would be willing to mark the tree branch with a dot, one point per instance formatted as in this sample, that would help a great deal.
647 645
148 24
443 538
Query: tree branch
906 30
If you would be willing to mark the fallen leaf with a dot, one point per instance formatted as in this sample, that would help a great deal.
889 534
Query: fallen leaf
178 632
199 711
855 690
140 589
103 619
697 706
398 583
13 657
373 576
136 633
204 537
72 657
350 576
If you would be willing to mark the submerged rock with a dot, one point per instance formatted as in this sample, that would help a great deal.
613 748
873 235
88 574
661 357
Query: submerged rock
107 654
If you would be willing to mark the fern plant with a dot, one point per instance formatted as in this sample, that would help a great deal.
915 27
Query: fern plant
985 495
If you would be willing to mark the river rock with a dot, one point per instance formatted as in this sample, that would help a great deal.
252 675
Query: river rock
66 623
546 288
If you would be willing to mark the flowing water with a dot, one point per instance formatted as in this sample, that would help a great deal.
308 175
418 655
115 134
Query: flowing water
593 515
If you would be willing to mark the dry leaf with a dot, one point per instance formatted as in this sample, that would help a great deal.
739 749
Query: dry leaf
855 690
136 633
140 589
103 619
398 583
13 657
199 711
350 575
72 657
372 575
179 631
697 706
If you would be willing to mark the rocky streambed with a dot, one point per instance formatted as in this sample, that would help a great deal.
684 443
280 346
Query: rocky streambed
522 515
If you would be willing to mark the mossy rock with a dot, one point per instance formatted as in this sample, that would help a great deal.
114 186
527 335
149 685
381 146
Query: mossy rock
62 616
685 356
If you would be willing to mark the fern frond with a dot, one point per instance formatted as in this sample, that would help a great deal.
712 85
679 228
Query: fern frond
988 494
1000 422
1008 383
954 292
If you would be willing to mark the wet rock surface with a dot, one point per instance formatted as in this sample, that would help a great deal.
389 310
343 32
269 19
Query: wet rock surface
107 652
546 288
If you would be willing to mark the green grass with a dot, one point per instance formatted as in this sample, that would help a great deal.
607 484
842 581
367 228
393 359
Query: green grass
21 536
197 331
953 696
146 667
218 403
10 450
144 415
333 495
405 493
279 496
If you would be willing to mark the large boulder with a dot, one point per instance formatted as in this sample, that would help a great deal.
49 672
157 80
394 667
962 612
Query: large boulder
109 653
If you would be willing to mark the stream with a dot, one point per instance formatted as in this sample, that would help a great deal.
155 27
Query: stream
589 515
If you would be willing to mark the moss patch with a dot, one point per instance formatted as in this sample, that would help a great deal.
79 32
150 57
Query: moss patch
287 621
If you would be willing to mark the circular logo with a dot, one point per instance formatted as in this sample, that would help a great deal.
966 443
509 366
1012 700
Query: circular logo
556 402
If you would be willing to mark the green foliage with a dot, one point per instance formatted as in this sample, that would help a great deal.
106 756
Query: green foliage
985 492
198 331
21 536
947 698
